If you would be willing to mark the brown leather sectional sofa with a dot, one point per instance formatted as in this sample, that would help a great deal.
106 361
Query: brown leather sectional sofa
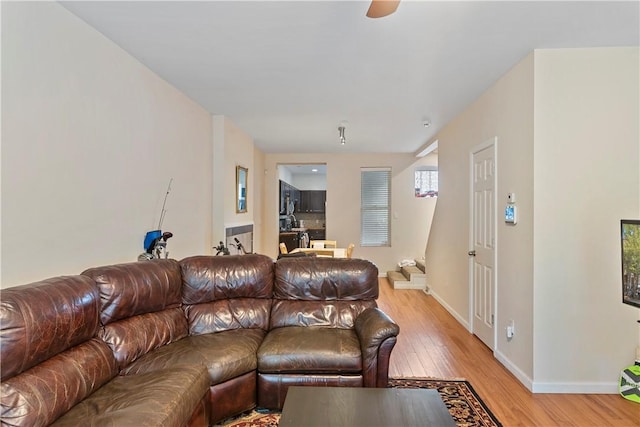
168 343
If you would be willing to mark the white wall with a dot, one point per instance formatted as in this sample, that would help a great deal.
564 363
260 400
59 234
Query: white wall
411 216
233 147
90 139
285 175
504 112
306 181
218 192
566 123
587 178
238 151
257 198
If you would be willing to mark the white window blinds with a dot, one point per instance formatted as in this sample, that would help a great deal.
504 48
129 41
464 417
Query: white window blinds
375 207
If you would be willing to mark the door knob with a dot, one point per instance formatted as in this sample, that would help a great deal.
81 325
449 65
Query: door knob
471 253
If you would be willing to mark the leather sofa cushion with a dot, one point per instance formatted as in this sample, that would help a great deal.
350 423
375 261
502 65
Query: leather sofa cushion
162 398
324 279
226 314
42 319
211 278
336 314
226 355
137 288
310 350
136 336
40 395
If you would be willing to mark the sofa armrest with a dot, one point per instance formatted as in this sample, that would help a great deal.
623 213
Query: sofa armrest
377 334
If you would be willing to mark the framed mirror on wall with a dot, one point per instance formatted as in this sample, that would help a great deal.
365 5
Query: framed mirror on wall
241 189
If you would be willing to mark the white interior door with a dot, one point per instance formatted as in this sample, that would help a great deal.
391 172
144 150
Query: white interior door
483 238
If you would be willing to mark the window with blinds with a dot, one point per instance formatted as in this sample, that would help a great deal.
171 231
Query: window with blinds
375 205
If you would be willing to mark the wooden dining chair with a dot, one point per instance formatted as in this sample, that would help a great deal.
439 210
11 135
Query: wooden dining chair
323 243
283 248
350 250
327 253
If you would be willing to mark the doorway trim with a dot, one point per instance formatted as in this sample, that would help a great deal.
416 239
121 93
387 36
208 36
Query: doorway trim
493 141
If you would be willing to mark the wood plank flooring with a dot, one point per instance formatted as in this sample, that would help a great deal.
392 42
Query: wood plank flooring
433 344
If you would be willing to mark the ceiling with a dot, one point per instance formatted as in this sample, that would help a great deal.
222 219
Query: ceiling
305 169
290 72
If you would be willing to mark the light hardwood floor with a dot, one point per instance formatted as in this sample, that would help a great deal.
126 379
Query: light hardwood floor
433 344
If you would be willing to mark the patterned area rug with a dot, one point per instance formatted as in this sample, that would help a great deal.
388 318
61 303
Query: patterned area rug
464 404
462 401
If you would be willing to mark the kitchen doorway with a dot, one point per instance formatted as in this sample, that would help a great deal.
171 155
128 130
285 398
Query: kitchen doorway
302 205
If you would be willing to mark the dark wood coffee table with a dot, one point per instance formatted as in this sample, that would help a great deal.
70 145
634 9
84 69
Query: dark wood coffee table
352 407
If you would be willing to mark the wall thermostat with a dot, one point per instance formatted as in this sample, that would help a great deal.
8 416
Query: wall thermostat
511 214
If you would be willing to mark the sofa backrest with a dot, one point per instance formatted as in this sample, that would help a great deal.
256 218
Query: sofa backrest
318 291
221 293
140 307
51 358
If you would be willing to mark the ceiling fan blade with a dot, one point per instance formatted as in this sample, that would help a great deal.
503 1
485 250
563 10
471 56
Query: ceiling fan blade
380 8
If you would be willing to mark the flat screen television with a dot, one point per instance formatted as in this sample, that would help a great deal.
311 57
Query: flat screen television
630 242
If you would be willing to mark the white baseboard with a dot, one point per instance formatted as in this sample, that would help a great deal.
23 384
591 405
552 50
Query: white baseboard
575 388
451 311
514 369
556 387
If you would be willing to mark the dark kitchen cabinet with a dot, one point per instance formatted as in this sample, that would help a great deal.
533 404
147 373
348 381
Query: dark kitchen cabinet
294 194
284 192
288 191
313 201
317 234
290 239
